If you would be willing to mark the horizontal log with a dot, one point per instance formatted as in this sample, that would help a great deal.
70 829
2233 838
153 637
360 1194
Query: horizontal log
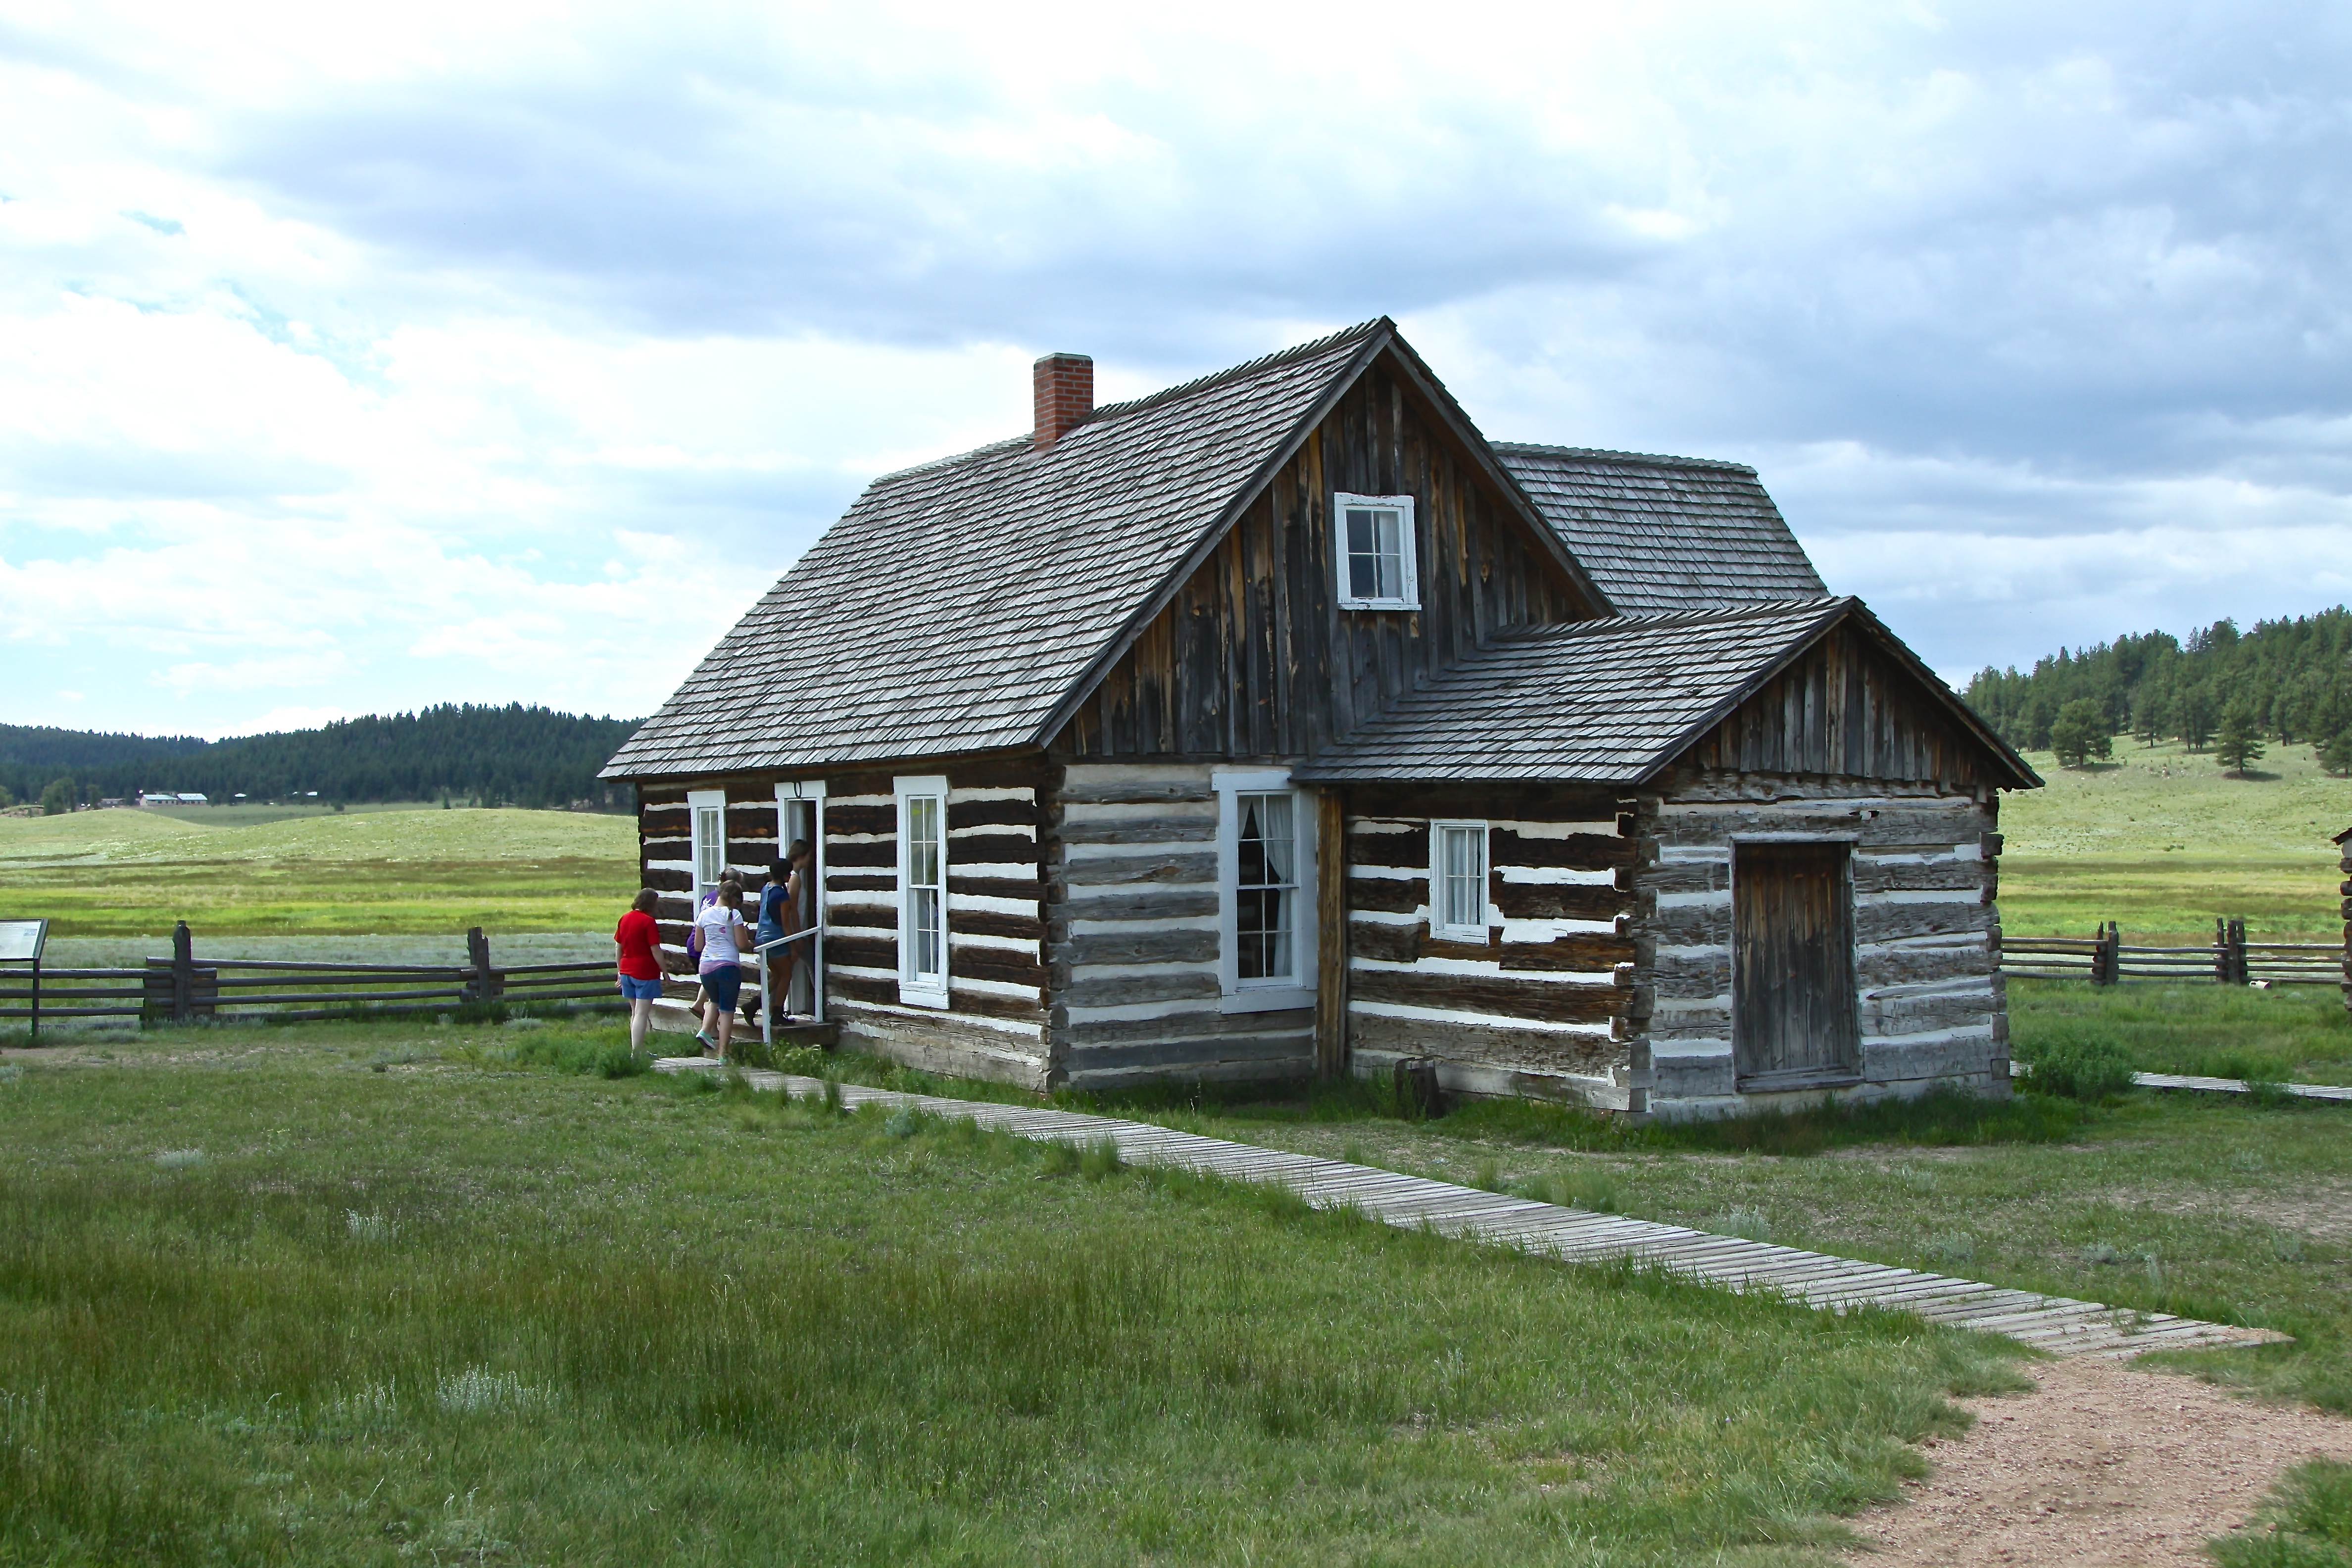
862 951
1172 904
1136 792
860 821
1119 870
1501 1045
1145 946
1558 901
840 917
1025 889
996 963
1172 1055
1890 922
1915 965
1409 848
1960 824
988 922
1581 952
860 883
1140 831
1389 943
884 855
1576 852
964 814
1386 895
1551 1002
662 881
993 849
1935 876
1127 990
1483 801
1200 1022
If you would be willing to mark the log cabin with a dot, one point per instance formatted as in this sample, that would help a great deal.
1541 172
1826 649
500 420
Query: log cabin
1280 725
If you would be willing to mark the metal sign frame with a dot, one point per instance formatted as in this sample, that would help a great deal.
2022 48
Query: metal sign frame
11 933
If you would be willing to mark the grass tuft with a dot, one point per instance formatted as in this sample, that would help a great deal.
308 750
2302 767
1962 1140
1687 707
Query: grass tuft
2306 1523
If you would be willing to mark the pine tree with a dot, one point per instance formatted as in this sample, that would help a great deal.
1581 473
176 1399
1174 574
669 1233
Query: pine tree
2080 733
2240 741
2336 753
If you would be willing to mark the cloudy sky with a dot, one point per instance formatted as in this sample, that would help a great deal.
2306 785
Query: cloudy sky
358 359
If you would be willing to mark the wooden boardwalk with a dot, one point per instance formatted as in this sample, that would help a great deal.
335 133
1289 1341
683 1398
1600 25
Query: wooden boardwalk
2057 1324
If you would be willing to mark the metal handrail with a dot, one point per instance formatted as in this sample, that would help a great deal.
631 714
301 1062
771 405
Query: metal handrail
816 979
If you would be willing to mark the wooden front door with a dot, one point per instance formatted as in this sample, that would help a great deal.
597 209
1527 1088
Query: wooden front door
1792 1000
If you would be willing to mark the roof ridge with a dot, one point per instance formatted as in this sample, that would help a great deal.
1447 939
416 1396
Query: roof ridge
1151 400
1234 373
1604 454
1751 609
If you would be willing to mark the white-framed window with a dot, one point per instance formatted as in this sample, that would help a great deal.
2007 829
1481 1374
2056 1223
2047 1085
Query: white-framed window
922 890
1265 891
1374 550
1457 881
706 816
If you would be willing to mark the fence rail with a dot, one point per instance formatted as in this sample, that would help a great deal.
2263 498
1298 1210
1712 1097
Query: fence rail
2231 959
180 988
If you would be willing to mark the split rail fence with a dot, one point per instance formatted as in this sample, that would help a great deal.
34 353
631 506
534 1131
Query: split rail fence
2229 959
181 988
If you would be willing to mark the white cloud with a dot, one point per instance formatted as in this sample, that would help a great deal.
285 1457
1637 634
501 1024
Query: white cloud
499 354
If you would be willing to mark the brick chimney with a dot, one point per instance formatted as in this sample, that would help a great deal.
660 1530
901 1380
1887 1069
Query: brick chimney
1065 386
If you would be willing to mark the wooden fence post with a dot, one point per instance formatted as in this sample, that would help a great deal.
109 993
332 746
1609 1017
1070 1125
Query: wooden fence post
183 972
2106 962
1331 935
2240 974
2221 951
487 984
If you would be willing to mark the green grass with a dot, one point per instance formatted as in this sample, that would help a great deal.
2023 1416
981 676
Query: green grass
2295 1034
379 872
362 1294
2306 1523
2223 1209
2161 841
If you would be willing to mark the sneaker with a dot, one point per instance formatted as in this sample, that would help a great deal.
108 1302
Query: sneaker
705 1041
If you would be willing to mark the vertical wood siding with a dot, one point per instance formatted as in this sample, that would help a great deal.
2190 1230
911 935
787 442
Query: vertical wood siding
1844 709
1253 657
1931 1009
1133 933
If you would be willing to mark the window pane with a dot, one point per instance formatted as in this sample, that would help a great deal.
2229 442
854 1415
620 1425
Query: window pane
1265 878
1363 555
1464 862
923 933
710 844
1391 555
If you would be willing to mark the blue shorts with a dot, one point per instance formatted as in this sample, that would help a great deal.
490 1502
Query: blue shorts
723 986
637 990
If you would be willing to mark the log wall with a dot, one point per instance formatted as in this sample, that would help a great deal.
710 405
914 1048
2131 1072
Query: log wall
1929 999
1133 933
1548 1003
1253 657
995 1024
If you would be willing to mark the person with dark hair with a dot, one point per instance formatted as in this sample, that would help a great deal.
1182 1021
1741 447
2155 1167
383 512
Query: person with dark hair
636 943
725 939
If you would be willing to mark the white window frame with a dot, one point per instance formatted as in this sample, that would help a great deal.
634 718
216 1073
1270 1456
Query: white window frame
1408 563
919 989
1440 879
699 840
1296 990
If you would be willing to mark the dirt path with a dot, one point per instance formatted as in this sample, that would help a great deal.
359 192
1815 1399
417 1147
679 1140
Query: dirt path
2104 1464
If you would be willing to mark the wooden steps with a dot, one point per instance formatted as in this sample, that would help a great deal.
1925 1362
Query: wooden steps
2057 1324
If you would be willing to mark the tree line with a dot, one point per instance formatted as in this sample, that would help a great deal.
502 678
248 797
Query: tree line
484 756
2284 681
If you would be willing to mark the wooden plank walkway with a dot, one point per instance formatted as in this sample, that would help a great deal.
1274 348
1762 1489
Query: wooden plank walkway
2057 1324
2237 1085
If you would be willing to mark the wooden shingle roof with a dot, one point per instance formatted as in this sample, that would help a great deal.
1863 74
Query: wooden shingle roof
956 604
1608 701
1659 534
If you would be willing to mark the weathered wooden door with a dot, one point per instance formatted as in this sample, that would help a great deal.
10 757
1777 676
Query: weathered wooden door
1792 1000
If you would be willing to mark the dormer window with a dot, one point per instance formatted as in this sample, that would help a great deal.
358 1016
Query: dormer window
1377 568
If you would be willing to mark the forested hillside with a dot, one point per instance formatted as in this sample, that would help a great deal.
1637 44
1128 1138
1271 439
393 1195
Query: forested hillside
2284 681
513 756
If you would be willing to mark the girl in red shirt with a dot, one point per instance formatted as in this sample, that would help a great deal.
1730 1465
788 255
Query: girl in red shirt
638 942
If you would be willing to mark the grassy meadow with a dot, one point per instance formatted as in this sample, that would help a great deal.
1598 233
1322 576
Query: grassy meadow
2161 840
381 872
374 1294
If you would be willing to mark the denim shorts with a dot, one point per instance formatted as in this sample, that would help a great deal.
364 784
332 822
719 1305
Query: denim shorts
637 990
723 985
